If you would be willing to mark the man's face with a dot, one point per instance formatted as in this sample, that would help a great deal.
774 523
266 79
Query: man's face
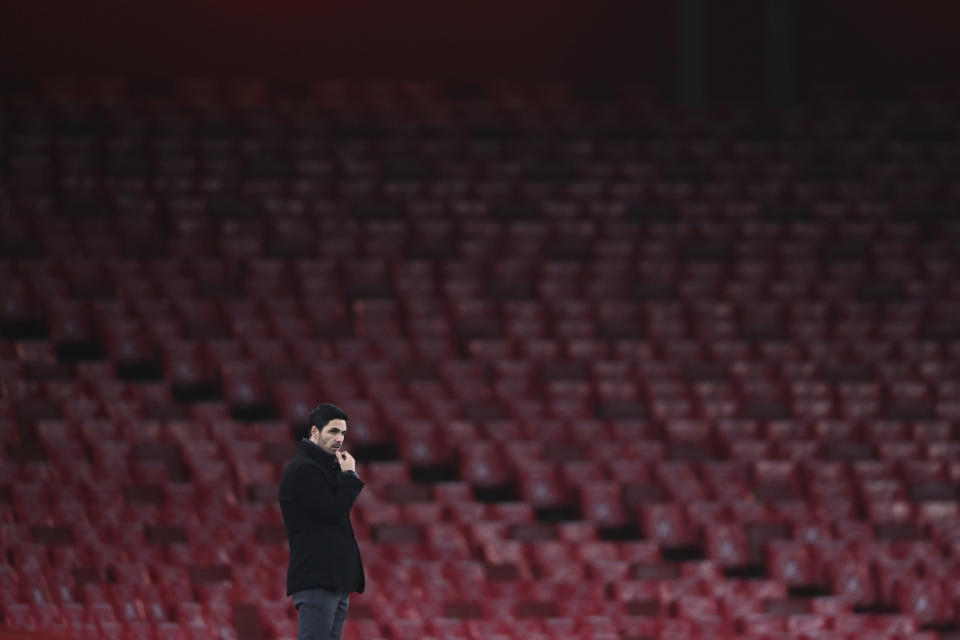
330 438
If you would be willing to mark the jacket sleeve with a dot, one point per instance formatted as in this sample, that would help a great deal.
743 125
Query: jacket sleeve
331 504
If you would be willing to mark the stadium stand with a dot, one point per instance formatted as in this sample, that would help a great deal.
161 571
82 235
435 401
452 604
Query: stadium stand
615 370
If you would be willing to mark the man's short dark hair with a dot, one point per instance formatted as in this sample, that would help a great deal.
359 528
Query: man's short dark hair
324 413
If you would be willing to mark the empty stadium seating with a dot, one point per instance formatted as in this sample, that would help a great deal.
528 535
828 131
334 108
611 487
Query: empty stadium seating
614 370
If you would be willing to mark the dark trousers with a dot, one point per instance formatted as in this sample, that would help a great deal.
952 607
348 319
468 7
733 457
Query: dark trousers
320 613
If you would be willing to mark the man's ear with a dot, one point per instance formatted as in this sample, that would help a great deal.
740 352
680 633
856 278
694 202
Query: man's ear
313 428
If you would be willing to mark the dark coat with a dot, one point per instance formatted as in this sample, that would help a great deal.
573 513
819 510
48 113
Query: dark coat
315 498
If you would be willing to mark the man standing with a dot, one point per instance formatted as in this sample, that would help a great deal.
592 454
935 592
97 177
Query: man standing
317 491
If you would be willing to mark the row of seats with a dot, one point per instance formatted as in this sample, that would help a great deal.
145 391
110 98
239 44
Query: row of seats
840 388
922 446
692 607
923 491
724 332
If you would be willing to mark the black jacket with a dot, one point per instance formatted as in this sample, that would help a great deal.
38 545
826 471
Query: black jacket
315 498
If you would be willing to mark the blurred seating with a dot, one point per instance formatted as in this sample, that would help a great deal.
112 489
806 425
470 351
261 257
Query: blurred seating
602 384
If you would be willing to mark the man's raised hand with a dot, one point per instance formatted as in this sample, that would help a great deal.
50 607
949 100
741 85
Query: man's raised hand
347 463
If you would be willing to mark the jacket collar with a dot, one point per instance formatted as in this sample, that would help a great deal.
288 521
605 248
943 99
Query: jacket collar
317 454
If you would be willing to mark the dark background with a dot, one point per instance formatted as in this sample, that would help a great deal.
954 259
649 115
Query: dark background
868 47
